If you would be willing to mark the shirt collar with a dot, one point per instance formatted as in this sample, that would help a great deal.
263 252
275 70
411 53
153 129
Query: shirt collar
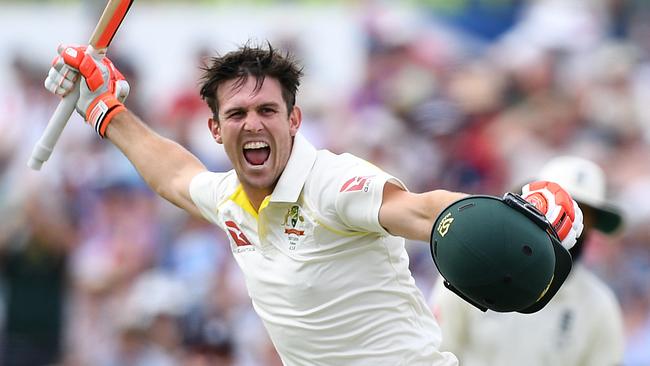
301 160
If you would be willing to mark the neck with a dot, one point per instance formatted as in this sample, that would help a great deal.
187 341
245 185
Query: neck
257 195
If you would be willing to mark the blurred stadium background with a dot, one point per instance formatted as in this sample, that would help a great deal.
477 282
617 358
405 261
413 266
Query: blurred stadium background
470 95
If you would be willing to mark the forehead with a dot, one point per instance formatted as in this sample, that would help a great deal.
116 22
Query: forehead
233 93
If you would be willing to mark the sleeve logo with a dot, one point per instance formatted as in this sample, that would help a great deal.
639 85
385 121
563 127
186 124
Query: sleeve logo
236 234
360 183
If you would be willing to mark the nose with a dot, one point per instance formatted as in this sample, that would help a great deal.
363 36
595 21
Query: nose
253 123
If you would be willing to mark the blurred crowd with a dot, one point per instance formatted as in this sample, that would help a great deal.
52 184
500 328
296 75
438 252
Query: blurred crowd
97 270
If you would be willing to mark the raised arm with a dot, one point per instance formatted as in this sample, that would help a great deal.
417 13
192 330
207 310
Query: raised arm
411 215
167 167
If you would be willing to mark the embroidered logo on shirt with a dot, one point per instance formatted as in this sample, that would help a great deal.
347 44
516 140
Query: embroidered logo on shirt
293 226
356 184
236 234
292 219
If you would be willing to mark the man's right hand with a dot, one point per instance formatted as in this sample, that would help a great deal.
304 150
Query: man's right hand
103 88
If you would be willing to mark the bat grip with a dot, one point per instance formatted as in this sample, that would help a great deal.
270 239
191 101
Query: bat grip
43 148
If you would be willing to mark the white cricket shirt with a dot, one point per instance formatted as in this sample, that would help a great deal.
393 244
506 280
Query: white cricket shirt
331 286
580 326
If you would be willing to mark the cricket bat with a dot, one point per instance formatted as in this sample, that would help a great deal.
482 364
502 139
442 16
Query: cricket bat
107 26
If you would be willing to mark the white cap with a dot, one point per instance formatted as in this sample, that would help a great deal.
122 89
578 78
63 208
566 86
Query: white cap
586 182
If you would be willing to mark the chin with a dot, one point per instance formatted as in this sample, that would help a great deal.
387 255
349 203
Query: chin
259 182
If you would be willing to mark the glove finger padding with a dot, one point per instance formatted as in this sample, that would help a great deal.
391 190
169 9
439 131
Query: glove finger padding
560 209
103 89
60 78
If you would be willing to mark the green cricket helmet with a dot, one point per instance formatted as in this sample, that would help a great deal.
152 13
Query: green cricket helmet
499 254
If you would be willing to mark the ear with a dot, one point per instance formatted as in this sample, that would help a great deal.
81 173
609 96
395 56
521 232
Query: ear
215 130
295 119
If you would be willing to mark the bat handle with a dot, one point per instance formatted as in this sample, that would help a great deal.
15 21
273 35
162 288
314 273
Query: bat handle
43 148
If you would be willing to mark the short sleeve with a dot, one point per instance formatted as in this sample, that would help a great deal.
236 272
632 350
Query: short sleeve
359 197
208 190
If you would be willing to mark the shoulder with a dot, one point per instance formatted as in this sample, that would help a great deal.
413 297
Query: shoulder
328 160
346 191
208 179
210 187
333 171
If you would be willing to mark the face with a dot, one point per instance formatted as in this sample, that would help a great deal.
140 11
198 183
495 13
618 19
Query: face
256 131
588 217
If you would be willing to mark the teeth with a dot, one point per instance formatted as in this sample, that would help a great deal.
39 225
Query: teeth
255 145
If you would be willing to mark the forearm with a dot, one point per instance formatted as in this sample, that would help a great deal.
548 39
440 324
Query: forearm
412 215
165 165
429 207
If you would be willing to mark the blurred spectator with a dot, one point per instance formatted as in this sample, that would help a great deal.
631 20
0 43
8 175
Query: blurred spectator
149 324
117 242
208 341
197 256
34 254
185 118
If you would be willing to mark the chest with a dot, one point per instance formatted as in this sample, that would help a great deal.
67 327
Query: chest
289 249
293 230
285 239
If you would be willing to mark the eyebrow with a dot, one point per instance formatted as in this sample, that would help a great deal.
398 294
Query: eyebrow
240 109
269 104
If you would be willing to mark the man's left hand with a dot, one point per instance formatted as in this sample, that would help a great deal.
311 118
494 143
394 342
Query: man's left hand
559 208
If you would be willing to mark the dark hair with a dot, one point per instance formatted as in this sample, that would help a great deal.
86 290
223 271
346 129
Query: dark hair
255 61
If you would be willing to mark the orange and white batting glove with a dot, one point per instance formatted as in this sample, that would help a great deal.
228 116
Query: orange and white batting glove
558 207
103 88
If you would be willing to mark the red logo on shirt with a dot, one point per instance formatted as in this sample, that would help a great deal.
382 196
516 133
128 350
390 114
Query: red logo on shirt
237 235
357 184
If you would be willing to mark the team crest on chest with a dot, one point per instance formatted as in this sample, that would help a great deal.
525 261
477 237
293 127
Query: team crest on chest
294 223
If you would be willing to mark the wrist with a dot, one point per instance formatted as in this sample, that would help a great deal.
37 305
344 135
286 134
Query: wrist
101 112
123 127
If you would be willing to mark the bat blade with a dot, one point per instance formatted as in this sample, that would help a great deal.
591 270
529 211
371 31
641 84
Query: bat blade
101 37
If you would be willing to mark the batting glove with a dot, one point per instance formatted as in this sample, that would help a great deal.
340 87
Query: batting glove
103 88
559 208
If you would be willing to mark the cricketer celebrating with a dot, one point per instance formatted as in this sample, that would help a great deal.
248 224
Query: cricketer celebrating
318 236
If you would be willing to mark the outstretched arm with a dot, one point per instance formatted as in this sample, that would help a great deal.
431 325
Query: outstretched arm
411 215
166 166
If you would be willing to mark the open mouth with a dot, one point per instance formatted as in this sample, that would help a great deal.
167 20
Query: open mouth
256 152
